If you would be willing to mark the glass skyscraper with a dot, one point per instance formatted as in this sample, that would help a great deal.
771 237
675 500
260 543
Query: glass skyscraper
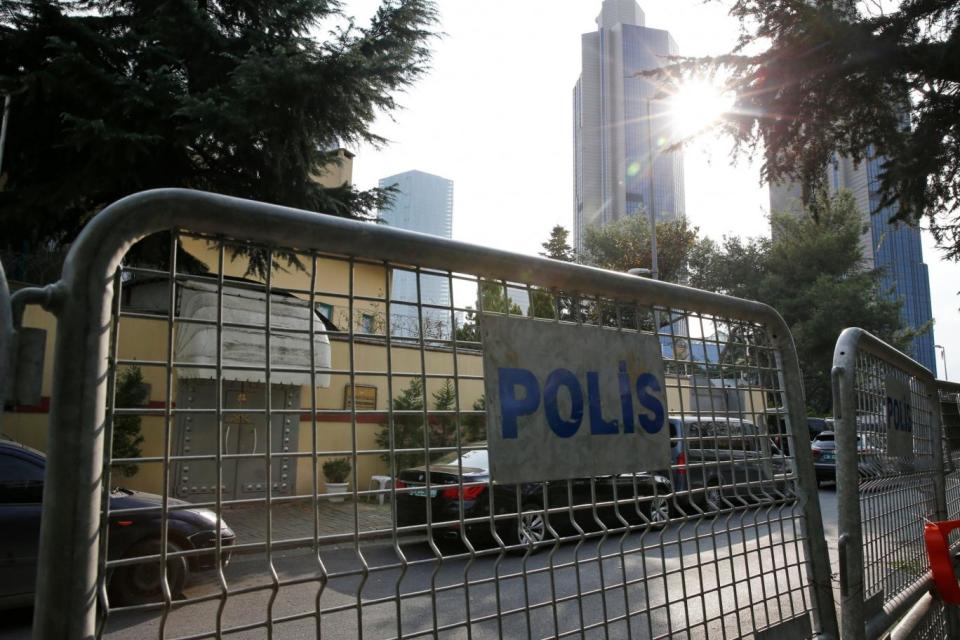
893 248
423 202
897 251
621 131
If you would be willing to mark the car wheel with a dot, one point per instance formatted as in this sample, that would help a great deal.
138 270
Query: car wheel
141 583
712 497
659 511
531 526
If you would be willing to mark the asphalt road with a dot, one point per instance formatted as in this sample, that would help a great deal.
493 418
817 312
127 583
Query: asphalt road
747 574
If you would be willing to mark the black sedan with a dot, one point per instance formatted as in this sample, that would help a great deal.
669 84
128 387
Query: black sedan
520 510
134 531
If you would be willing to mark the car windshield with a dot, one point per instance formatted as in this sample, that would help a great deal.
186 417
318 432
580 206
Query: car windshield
476 459
825 437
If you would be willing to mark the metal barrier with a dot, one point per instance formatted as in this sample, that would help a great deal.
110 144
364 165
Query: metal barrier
890 480
950 419
282 360
6 337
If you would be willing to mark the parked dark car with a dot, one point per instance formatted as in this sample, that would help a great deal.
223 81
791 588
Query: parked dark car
522 506
720 461
824 450
130 535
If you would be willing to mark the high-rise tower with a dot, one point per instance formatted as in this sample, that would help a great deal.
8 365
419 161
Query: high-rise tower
423 202
893 248
621 131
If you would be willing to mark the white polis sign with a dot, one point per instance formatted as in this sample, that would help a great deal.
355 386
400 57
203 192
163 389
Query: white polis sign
899 417
566 401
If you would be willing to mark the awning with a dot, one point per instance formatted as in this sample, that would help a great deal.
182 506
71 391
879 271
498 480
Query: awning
246 347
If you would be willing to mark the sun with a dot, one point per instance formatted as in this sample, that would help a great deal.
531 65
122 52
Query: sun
697 104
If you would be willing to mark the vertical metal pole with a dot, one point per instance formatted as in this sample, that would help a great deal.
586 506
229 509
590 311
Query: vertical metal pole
654 270
816 545
943 356
940 486
6 339
848 497
66 595
3 128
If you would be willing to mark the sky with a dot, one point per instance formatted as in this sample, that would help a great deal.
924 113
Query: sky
494 114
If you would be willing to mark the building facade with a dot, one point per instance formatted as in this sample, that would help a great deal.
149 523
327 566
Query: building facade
621 130
423 202
895 249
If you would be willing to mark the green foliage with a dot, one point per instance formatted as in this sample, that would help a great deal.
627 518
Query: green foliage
408 429
234 97
814 79
493 298
813 273
337 470
475 426
558 245
131 392
625 244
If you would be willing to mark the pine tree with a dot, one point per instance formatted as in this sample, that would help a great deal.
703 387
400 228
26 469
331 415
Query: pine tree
131 392
558 245
234 97
813 274
860 79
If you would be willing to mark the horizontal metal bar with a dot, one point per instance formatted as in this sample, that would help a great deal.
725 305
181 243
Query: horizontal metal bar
142 214
855 340
879 625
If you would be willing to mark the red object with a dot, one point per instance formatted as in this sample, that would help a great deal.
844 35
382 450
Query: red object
124 523
816 453
399 484
936 535
469 493
682 462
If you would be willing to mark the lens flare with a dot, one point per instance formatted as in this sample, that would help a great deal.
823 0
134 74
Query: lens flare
697 104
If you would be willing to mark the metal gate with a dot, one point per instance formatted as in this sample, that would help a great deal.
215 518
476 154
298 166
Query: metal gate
950 420
726 542
890 481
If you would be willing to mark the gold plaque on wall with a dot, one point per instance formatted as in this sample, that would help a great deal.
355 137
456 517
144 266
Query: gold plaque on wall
366 395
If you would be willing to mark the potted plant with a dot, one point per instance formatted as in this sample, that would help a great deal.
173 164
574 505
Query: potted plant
336 472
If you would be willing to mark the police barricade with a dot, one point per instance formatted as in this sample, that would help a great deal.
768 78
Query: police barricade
890 482
950 421
6 337
296 424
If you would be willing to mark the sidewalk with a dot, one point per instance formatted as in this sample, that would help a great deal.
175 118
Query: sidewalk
294 521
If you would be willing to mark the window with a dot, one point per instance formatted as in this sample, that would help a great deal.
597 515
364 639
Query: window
367 323
325 310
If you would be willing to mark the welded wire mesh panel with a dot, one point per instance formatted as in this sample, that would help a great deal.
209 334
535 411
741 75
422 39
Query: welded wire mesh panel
897 483
950 421
933 626
298 447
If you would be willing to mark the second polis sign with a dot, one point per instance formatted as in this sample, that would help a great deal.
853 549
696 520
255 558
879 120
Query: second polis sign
567 401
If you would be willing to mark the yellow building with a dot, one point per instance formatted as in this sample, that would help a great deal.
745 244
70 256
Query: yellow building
336 411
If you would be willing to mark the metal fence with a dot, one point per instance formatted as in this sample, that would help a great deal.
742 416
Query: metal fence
890 470
222 386
950 421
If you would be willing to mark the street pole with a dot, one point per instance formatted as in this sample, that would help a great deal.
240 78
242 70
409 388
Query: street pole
943 356
655 272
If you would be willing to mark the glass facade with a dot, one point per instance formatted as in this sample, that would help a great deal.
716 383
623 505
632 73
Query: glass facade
423 202
622 133
898 253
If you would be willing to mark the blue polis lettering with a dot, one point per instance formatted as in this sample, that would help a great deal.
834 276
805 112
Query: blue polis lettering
520 396
900 414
